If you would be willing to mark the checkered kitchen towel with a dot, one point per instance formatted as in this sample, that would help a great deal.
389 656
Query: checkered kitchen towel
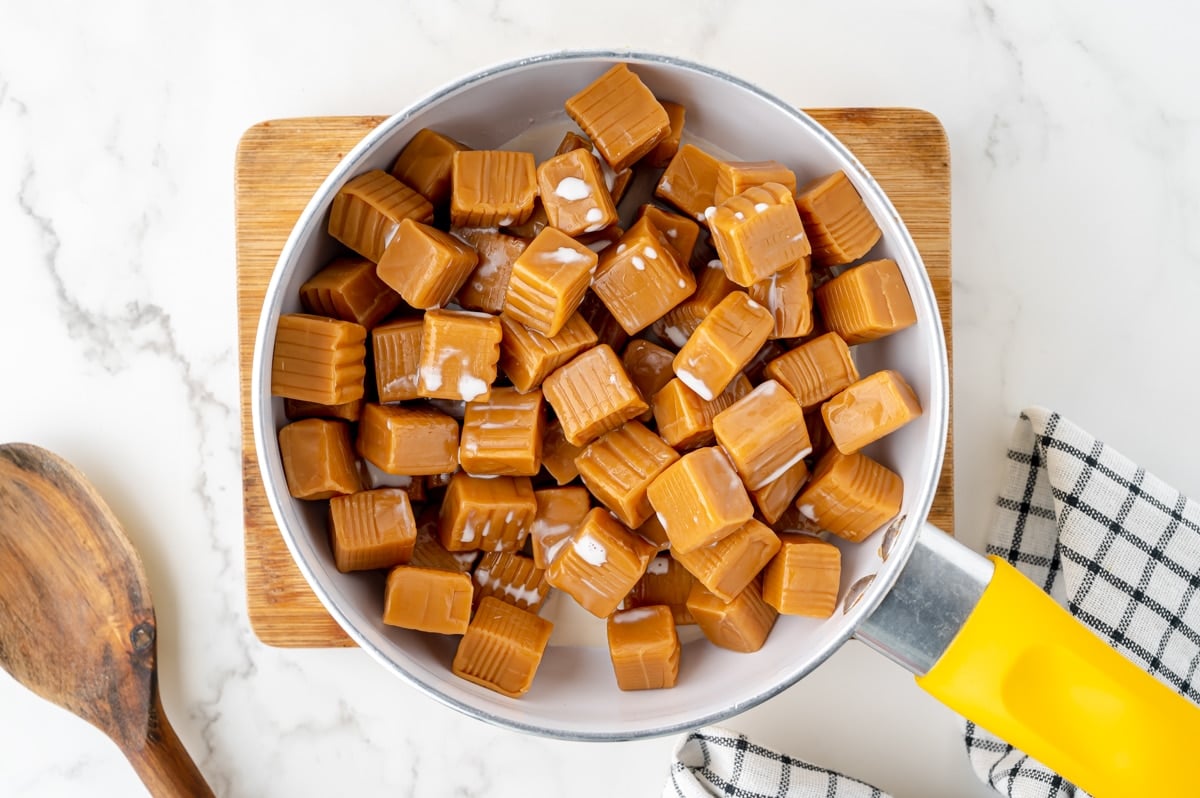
1080 520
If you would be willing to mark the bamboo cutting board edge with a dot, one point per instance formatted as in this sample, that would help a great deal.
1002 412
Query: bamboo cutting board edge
280 163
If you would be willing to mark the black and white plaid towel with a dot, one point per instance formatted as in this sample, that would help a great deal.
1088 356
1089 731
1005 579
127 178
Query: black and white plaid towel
1082 521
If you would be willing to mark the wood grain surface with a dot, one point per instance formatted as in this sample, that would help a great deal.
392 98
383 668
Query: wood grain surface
280 163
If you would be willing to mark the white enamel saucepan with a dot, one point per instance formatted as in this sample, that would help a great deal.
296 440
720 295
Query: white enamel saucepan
978 636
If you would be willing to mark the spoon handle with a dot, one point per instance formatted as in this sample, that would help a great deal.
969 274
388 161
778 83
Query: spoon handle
163 763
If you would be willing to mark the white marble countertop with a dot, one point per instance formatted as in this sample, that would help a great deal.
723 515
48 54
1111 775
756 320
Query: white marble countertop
1075 141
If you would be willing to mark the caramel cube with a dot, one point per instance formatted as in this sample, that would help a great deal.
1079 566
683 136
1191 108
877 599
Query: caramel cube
459 353
502 648
874 406
867 302
367 211
527 357
841 227
727 566
851 495
649 368
558 455
681 231
490 514
722 344
619 466
559 513
491 188
763 434
788 295
425 265
485 287
641 279
600 563
815 370
428 551
503 434
318 359
615 182
425 164
741 624
318 461
604 324
548 282
804 577
690 181
591 395
371 529
734 177
574 194
510 577
620 115
397 349
296 409
774 498
666 148
428 600
684 419
644 648
699 500
667 583
350 290
758 233
408 440
682 320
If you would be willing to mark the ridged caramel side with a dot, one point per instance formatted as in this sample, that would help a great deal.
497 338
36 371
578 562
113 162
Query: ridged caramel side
741 624
349 289
641 278
684 419
485 287
548 282
841 227
425 164
734 177
459 353
678 323
619 466
591 395
510 577
318 359
727 566
804 577
788 295
425 265
867 302
503 435
620 115
665 582
600 563
371 529
690 181
490 514
427 599
492 188
559 513
851 495
397 349
815 370
366 212
763 434
774 498
527 357
699 500
502 648
644 648
722 344
757 233
318 459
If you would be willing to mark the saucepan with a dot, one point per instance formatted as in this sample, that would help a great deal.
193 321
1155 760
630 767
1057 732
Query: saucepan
977 634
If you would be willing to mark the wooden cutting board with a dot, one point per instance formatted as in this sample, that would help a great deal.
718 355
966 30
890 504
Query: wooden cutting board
280 164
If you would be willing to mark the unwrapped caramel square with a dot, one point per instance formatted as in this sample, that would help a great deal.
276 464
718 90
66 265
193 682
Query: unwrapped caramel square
558 454
318 359
678 324
574 193
600 563
727 566
486 286
741 624
350 290
699 500
788 295
815 370
722 344
397 349
428 600
618 467
318 460
804 577
871 408
591 395
548 282
428 551
492 188
690 181
367 211
459 353
851 495
425 163
425 265
774 498
641 278
371 529
666 148
758 233
527 357
408 440
503 434
490 514
559 513
644 648
867 302
841 227
510 577
665 582
681 231
734 177
502 648
763 434
620 115
684 418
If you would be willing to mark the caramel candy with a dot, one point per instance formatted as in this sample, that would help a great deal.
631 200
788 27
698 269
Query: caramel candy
681 232
397 348
318 461
428 551
427 599
818 433
644 648
558 455
649 367
425 164
774 498
763 434
408 440
348 289
492 188
734 177
600 563
619 466
548 282
867 302
591 395
614 182
619 184
666 148
296 409
682 320
510 577
503 435
528 357
367 211
803 578
485 287
620 115
641 279
815 370
528 229
371 529
841 227
607 330
738 625
665 582
655 532
699 500
573 141
684 419
768 352
459 353
318 359
490 514
690 181
574 194
425 265
727 566
788 295
559 513
502 648
722 344
851 495
874 406
758 233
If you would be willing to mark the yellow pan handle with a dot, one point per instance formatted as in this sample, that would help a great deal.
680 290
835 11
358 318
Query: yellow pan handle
1025 670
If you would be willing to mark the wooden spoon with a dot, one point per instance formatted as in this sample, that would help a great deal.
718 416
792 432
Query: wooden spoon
76 623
